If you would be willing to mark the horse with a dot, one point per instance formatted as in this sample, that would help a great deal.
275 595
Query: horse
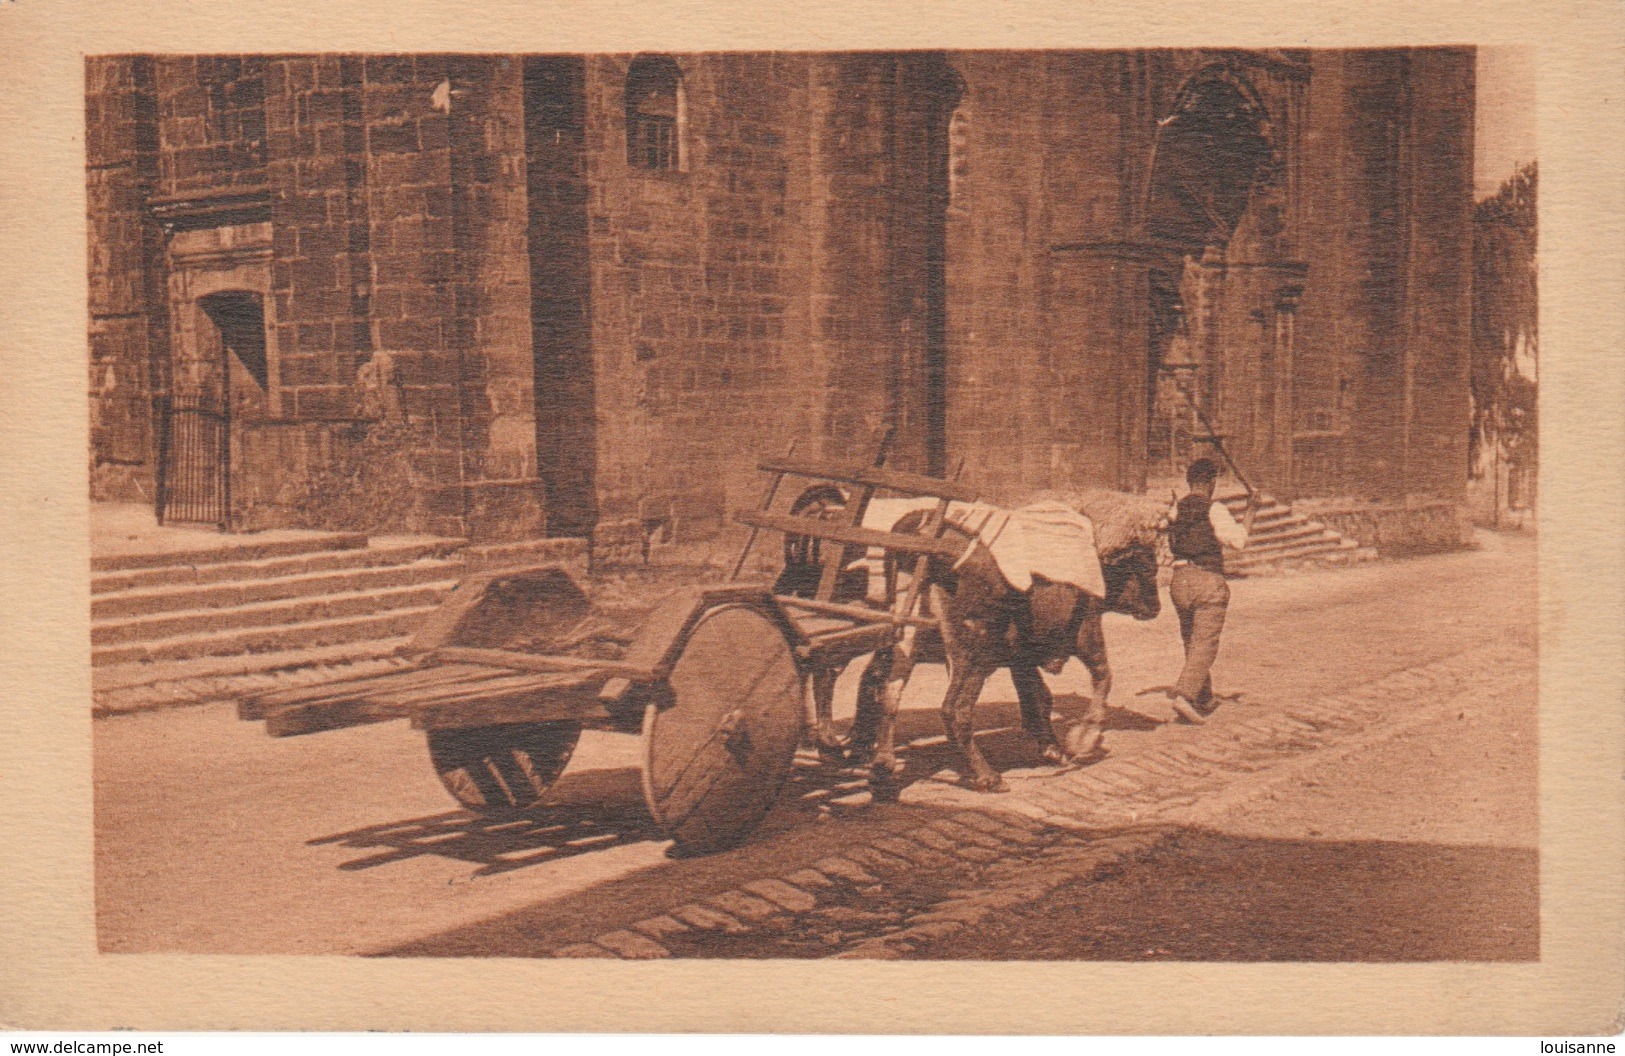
981 623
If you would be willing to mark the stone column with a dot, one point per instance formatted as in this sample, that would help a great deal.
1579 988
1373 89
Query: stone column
1100 304
490 332
1285 342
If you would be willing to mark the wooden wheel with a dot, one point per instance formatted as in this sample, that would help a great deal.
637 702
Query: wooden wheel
498 769
720 745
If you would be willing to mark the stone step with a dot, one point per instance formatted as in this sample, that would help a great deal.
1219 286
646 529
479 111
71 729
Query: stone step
1282 537
1310 536
1343 555
284 613
1286 531
245 548
571 553
246 591
377 627
1249 560
379 552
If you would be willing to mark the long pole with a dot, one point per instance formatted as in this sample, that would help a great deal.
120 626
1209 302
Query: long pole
1215 440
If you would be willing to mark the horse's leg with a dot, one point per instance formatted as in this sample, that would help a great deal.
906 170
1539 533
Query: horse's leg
965 647
1083 741
884 768
1037 704
860 742
822 685
959 720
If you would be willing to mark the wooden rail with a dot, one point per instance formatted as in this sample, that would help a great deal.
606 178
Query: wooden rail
892 479
507 658
856 612
841 533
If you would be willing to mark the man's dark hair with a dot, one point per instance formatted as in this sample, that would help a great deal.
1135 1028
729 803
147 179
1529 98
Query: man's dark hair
1202 471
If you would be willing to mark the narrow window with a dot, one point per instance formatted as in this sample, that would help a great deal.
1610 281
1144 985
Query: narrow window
655 115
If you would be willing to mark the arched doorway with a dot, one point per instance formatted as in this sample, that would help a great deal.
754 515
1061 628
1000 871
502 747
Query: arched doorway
1209 158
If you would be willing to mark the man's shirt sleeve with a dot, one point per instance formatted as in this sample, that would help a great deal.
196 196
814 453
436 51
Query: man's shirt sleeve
1225 527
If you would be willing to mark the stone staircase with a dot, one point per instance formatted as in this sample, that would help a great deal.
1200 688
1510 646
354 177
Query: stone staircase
1283 539
246 606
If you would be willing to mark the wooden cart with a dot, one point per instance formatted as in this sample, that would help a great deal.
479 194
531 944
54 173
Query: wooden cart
515 664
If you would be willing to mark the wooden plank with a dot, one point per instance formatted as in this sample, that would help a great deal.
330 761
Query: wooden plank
297 719
891 479
772 491
856 612
508 710
853 642
516 661
375 705
257 707
857 505
840 533
501 684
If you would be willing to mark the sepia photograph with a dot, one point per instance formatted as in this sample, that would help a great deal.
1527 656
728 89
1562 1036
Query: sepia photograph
913 505
810 525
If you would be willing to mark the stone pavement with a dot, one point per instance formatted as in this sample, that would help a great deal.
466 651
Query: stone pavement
881 899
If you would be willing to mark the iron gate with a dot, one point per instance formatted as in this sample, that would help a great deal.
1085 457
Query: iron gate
194 462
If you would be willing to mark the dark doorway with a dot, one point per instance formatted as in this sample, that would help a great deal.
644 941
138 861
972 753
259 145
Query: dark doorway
1208 158
929 91
239 328
228 385
560 308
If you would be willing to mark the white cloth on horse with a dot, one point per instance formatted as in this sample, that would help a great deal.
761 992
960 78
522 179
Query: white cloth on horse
1048 539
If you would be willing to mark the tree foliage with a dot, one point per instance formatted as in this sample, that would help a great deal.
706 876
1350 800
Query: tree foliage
1505 319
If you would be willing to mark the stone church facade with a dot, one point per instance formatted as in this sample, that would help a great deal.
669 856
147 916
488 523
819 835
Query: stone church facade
501 297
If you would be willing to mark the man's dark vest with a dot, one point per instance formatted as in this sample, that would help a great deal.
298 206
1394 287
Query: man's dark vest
1191 535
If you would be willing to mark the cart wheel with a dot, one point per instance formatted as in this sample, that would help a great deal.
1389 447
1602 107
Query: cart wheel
499 769
719 751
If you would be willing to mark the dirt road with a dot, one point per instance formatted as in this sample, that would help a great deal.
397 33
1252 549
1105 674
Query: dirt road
212 837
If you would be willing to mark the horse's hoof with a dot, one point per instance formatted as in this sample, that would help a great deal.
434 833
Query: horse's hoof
885 791
1093 755
1185 711
988 784
1054 756
834 751
1082 741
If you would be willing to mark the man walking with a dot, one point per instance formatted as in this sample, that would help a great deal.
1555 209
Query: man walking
1197 532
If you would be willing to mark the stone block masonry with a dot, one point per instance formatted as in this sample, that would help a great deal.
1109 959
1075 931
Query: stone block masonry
129 346
493 311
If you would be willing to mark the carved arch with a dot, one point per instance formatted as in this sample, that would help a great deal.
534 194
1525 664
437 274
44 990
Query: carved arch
1212 152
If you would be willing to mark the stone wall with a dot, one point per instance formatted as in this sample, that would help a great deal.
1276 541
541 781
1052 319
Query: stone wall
1390 199
474 298
211 113
396 294
1417 526
128 339
698 293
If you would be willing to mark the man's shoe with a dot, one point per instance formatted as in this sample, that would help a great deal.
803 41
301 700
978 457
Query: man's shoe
1186 710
